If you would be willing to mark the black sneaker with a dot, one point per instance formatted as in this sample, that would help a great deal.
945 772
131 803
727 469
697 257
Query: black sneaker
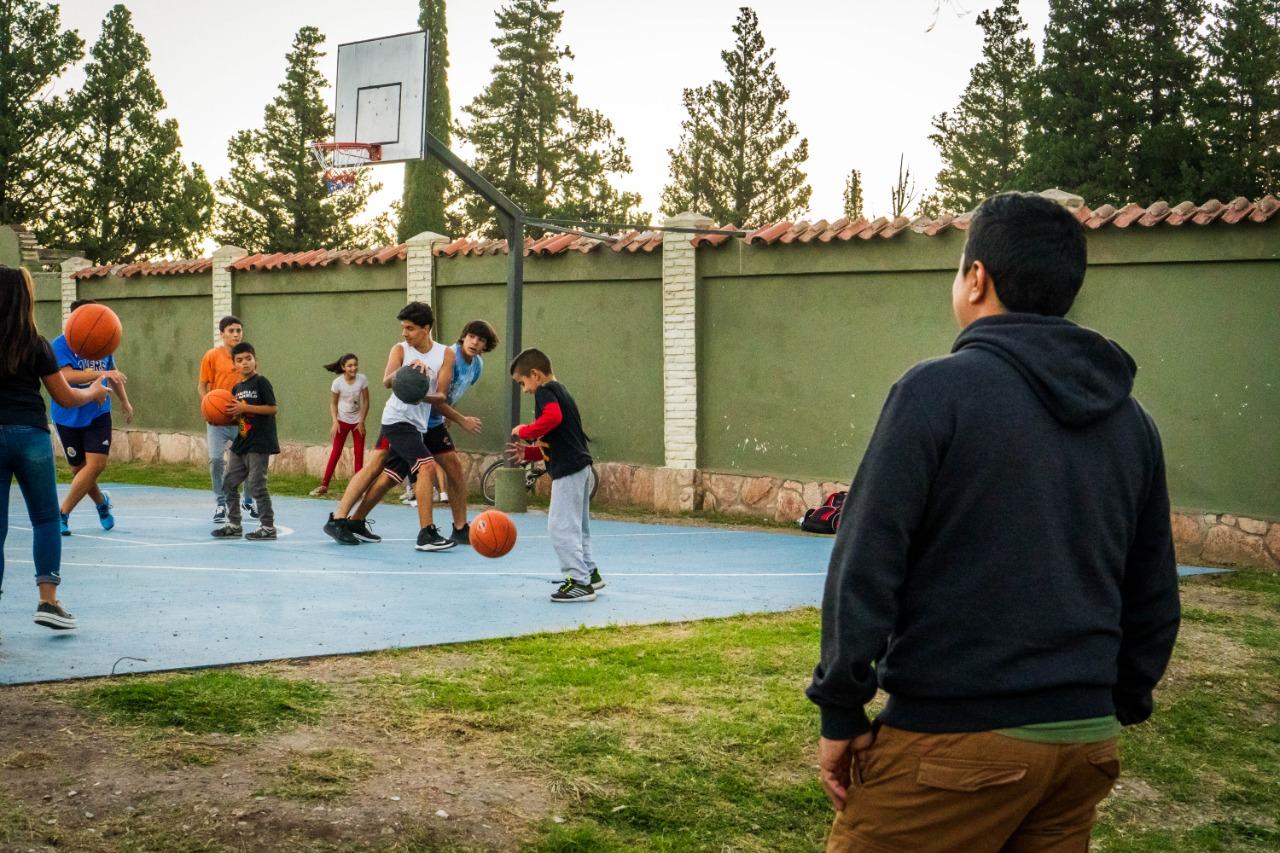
261 534
429 539
54 616
597 582
249 507
571 591
462 535
220 514
227 531
337 530
359 528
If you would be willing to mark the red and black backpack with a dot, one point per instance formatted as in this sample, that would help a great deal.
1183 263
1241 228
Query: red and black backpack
826 517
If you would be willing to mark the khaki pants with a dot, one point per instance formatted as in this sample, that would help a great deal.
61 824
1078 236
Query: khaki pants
973 792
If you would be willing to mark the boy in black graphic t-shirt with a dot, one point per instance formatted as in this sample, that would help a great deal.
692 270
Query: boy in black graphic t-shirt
562 443
256 408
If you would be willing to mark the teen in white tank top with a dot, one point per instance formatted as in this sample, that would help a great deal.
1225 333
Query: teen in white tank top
397 411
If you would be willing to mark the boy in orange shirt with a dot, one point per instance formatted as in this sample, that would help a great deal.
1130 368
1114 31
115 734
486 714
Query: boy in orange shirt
218 370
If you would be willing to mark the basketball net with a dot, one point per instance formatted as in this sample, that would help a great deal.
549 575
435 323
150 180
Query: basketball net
342 162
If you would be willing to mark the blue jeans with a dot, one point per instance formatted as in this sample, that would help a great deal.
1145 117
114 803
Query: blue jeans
218 439
27 454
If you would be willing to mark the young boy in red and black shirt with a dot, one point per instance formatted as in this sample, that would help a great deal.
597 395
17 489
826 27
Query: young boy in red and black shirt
560 440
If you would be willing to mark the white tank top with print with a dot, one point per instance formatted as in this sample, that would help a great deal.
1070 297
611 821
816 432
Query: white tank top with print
396 411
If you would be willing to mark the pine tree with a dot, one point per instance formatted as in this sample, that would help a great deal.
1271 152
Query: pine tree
130 195
34 128
274 199
1071 137
982 139
1109 117
426 182
739 141
533 138
853 195
1239 105
690 187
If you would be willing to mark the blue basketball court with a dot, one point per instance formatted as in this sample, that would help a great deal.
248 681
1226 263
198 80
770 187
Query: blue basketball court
158 592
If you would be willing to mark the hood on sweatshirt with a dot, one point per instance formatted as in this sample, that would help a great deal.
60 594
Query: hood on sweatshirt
1079 375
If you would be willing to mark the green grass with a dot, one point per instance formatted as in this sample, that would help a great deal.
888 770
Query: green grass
221 701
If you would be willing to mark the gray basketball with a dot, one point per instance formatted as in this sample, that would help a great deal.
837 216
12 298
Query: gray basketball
409 385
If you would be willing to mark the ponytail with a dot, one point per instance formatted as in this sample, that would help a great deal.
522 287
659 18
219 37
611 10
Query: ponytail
336 366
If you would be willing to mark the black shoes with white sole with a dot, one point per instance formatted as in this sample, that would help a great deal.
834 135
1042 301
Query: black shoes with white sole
571 592
429 539
54 616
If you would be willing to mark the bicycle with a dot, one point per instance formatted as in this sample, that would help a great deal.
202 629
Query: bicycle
532 471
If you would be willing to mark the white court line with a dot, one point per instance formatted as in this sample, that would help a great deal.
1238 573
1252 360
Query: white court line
121 544
411 573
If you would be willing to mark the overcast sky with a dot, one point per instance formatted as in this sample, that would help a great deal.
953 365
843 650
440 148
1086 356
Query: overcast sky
865 76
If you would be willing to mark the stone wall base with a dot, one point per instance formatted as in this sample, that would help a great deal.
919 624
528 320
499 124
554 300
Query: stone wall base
1219 539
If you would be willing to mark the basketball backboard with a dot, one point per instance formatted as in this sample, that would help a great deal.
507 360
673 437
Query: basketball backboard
381 95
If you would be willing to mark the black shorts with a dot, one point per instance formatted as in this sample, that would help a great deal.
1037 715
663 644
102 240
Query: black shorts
438 440
406 451
93 438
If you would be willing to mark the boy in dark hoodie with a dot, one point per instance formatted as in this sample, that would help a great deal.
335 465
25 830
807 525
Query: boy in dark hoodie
1004 569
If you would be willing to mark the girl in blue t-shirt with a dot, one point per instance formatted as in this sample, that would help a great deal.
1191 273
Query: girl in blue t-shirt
85 431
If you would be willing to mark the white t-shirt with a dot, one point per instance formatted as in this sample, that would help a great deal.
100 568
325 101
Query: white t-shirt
349 397
398 411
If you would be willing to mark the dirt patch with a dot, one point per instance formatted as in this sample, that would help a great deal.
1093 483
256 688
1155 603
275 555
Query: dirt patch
85 785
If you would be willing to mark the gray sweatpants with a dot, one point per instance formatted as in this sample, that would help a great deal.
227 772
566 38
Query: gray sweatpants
569 524
250 469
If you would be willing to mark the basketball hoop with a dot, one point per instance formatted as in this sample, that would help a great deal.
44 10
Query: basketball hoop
342 162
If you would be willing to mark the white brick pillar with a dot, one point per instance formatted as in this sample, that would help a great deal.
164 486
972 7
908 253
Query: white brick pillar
222 292
420 271
70 267
676 485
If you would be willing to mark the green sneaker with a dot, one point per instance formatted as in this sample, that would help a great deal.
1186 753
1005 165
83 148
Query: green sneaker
597 582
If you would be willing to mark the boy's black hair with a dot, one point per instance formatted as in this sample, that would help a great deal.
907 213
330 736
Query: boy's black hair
74 305
229 320
417 313
1033 249
243 346
481 329
336 366
530 360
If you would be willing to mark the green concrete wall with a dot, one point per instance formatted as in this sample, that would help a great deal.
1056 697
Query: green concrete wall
798 346
48 303
598 317
1204 334
166 332
300 320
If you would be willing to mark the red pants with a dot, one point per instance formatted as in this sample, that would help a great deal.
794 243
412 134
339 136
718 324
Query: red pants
357 444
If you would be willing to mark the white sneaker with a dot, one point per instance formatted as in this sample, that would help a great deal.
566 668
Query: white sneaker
444 497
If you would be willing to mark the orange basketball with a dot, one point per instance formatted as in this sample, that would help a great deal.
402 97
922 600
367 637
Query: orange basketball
214 407
93 331
492 533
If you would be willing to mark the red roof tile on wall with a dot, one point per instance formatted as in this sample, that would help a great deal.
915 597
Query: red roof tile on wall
1238 210
553 243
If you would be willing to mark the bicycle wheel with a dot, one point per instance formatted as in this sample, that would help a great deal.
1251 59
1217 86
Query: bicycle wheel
489 483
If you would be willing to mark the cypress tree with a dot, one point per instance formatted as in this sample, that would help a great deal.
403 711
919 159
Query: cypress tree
274 199
34 129
426 182
1239 106
853 195
129 196
533 138
982 139
744 147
